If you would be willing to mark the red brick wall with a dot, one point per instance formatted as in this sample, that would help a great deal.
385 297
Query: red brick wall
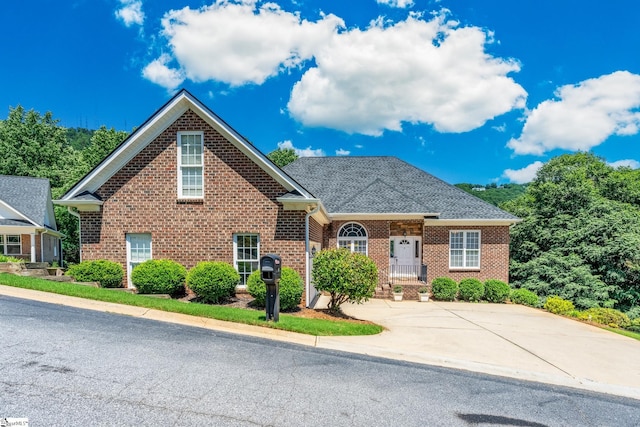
239 198
494 254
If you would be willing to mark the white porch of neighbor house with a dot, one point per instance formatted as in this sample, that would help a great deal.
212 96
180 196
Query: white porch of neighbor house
31 244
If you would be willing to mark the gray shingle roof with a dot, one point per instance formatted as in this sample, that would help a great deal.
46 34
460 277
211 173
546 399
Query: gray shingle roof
386 185
27 195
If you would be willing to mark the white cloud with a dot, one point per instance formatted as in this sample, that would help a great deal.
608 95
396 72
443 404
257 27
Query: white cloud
302 152
131 12
159 73
396 3
414 71
524 175
240 42
629 163
583 116
341 152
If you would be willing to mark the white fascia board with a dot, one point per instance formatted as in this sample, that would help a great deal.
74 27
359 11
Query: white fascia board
471 222
307 205
17 213
81 205
380 216
18 229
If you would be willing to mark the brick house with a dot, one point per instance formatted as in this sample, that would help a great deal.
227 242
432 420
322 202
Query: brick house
28 227
188 187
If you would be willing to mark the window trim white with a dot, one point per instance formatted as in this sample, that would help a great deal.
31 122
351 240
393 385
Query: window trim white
179 163
5 243
128 248
464 250
235 254
352 240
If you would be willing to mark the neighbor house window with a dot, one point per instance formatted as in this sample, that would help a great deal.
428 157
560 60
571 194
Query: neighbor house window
464 249
10 245
353 236
246 249
190 165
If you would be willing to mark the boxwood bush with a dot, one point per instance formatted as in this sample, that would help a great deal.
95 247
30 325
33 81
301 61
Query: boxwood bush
444 289
525 297
471 289
108 273
557 305
213 281
159 276
291 289
496 290
606 316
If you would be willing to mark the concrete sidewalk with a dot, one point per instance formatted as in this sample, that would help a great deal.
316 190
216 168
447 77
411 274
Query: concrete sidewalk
506 340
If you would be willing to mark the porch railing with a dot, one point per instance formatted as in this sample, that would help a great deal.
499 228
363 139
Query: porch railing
407 273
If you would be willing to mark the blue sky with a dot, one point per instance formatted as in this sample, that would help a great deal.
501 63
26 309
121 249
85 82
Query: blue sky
471 91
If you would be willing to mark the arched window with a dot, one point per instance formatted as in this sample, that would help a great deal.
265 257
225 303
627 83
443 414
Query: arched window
353 236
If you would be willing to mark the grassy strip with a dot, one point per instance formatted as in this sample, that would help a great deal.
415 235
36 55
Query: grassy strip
317 327
630 334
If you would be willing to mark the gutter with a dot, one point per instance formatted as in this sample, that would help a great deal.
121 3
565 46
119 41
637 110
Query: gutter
307 252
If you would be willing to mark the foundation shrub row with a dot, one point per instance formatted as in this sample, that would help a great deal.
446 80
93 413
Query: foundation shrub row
447 289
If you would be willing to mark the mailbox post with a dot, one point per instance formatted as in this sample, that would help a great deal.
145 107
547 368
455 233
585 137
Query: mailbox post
270 269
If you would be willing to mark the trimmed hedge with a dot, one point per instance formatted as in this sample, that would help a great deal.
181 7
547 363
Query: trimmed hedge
444 289
496 291
524 297
291 289
159 276
213 281
606 316
471 289
557 305
108 273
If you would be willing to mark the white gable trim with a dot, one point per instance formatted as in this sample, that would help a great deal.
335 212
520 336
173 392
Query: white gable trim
157 124
18 214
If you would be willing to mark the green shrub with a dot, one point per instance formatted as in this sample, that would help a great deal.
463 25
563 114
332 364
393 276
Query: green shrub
108 273
345 276
397 289
213 281
444 289
7 258
525 297
557 305
635 325
159 276
606 316
471 289
291 288
634 312
423 290
496 290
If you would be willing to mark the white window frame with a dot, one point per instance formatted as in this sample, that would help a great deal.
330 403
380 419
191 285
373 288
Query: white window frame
465 249
129 261
5 243
349 242
181 166
243 278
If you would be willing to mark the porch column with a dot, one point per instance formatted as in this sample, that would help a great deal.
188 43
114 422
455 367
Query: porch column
33 247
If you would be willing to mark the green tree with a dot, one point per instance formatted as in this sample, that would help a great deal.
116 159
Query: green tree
282 156
103 141
580 234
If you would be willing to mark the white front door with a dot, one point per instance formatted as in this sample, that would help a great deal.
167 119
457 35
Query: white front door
405 256
404 251
138 251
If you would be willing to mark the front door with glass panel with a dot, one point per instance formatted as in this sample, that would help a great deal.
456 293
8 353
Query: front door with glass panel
138 251
404 256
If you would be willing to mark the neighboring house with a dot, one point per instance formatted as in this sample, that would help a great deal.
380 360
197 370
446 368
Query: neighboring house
27 224
188 187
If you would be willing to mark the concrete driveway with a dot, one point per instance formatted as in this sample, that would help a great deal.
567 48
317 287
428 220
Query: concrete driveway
501 339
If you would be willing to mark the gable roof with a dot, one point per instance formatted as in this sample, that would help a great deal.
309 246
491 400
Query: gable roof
82 193
26 201
369 186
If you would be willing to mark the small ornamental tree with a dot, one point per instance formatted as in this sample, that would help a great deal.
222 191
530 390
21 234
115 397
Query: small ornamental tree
159 276
346 276
213 281
291 287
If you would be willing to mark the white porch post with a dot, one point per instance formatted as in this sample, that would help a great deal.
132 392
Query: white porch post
33 247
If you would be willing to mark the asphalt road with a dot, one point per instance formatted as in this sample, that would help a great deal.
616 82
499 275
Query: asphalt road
61 366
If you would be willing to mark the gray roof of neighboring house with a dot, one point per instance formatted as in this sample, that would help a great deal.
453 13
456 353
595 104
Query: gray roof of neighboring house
386 185
27 195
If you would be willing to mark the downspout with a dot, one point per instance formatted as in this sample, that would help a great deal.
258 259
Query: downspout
307 252
77 215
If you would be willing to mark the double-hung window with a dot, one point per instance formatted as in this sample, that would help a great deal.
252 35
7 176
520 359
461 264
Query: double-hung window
246 255
10 245
190 165
464 249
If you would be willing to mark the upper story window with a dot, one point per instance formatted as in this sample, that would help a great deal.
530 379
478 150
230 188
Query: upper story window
353 236
464 249
190 165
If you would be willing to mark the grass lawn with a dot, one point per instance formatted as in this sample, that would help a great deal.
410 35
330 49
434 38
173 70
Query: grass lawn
630 334
317 327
